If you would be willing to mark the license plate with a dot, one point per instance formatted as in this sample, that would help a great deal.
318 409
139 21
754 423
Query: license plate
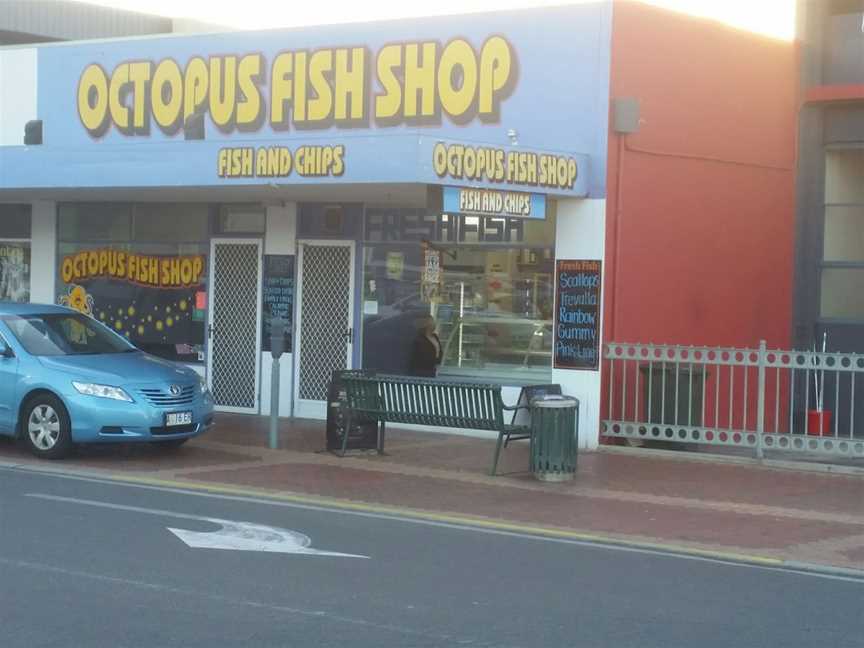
178 418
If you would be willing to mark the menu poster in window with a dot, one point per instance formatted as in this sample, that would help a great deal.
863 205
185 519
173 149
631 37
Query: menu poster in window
430 282
278 296
577 314
15 272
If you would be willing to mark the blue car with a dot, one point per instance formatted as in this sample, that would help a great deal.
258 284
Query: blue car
67 379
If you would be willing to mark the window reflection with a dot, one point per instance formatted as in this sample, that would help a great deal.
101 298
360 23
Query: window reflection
492 297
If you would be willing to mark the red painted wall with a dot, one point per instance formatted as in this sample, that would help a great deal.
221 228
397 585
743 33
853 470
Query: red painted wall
700 232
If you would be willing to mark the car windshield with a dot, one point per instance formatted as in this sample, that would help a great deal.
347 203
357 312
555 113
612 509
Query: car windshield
65 334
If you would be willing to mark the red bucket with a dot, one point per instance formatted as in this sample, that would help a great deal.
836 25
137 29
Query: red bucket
819 422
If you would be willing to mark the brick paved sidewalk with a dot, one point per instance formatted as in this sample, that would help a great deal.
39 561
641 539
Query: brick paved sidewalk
670 499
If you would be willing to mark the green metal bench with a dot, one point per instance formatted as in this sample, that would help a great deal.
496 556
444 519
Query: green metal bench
424 401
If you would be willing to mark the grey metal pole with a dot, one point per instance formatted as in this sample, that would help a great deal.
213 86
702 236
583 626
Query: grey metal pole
277 346
760 413
274 405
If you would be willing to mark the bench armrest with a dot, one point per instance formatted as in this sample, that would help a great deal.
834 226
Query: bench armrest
513 408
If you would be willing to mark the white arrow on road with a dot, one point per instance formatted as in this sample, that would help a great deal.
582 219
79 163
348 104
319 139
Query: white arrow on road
245 536
238 536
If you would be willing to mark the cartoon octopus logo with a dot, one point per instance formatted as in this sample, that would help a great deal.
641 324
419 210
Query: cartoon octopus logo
78 299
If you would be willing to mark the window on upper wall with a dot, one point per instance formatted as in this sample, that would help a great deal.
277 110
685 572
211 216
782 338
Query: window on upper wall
15 226
844 43
842 273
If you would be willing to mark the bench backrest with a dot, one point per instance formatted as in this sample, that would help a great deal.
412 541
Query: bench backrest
399 399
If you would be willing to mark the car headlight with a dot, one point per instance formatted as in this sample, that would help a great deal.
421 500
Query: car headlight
202 385
102 391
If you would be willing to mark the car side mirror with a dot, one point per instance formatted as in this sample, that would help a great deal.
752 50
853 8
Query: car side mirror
5 350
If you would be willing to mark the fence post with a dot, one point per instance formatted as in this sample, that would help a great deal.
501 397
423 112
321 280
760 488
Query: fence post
760 411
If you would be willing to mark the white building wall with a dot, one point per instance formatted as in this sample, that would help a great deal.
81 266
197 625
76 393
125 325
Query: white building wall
18 90
581 234
280 238
43 252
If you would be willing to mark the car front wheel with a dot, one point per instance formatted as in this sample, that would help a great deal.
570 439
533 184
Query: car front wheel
47 430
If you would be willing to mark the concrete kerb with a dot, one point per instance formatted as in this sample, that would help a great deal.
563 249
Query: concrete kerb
772 464
445 519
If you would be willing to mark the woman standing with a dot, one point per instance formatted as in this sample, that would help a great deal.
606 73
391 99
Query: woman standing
426 353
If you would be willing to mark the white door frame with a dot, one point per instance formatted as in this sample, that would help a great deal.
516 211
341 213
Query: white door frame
308 408
210 288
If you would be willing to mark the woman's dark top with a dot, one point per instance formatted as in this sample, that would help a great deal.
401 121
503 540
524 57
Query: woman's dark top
425 358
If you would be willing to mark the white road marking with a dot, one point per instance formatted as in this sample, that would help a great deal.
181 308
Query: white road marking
806 570
231 535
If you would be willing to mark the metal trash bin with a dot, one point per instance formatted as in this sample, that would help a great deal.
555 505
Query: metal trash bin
554 437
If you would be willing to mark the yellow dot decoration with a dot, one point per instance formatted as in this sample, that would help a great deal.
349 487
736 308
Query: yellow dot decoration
169 321
118 325
184 305
167 309
131 310
127 334
149 318
102 315
159 325
119 311
140 330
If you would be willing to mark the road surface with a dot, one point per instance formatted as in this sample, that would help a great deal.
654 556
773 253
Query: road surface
85 562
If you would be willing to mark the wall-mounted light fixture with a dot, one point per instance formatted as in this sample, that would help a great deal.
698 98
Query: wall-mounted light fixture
33 133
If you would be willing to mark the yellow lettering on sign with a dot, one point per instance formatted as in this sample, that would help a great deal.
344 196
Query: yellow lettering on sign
196 85
389 103
321 105
93 100
457 56
496 64
167 95
251 109
416 82
139 74
281 90
420 79
350 104
223 91
119 110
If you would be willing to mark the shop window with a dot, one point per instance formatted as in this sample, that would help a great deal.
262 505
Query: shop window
15 253
242 220
171 222
95 222
317 220
145 277
14 221
487 282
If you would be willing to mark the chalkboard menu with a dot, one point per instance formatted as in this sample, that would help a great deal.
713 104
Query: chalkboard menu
278 296
577 314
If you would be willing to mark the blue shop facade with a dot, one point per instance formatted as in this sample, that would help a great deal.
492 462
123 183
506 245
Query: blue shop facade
350 179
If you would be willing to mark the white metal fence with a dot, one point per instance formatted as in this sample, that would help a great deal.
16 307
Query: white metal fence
762 399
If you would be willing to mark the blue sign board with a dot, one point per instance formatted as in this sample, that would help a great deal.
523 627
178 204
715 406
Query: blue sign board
494 202
489 101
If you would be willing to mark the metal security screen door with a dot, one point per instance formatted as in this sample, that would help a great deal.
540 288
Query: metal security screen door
325 323
234 324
